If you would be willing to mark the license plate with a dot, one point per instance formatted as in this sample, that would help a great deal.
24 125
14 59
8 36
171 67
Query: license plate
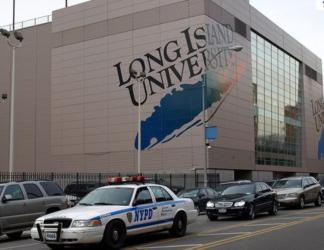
222 210
51 236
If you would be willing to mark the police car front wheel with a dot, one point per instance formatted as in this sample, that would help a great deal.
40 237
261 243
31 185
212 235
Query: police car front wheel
179 226
115 235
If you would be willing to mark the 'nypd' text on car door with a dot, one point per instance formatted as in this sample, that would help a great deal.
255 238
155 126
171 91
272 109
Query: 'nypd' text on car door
145 213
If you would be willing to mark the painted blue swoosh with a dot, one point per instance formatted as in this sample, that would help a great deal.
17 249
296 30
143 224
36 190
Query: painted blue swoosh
176 109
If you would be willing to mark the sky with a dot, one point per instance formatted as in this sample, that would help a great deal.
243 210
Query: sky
303 19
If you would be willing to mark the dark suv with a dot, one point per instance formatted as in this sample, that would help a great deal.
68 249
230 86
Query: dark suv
23 202
78 190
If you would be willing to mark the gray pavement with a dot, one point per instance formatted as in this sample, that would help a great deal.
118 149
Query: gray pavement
291 229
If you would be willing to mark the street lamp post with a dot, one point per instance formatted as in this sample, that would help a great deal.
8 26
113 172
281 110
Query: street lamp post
236 48
13 43
140 78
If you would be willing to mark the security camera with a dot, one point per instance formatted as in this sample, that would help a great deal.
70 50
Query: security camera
133 73
5 33
4 96
18 36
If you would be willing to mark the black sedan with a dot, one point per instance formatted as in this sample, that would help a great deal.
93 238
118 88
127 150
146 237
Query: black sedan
243 200
200 196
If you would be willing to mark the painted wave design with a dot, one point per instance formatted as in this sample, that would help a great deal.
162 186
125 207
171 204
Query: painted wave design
320 153
176 109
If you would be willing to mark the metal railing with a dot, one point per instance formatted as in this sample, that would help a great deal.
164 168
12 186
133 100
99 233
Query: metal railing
29 23
186 180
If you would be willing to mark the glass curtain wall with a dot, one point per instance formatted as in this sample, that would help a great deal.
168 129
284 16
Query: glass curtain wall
277 104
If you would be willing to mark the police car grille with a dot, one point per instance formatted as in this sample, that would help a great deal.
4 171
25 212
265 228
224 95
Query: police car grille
65 222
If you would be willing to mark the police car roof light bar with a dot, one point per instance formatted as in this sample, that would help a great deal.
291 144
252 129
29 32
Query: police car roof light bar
128 179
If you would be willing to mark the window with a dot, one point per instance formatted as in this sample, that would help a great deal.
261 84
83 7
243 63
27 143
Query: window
211 192
258 188
160 194
203 192
143 196
32 191
51 188
15 192
277 98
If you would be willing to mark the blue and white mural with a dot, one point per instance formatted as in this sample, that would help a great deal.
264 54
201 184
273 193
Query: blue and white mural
182 72
320 153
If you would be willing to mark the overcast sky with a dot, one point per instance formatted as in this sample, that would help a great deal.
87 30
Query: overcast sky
303 19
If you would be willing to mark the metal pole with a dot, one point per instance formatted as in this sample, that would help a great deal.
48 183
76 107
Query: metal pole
12 103
204 126
139 132
66 3
13 15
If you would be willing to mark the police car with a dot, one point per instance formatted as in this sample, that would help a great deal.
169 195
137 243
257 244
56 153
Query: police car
109 214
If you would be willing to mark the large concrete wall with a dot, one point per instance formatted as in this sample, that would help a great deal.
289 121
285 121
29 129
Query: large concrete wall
32 110
71 114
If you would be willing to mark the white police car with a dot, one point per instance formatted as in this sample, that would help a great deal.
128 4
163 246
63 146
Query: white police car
110 213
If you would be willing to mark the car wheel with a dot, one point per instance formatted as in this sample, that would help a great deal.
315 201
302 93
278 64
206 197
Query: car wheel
14 236
318 201
55 247
274 209
251 212
301 204
179 226
212 217
114 235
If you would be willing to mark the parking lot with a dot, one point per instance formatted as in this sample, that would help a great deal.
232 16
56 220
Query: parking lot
290 229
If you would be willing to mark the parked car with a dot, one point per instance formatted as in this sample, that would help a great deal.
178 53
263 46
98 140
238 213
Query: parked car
298 191
109 214
175 188
271 183
321 182
245 200
23 202
77 190
200 196
222 186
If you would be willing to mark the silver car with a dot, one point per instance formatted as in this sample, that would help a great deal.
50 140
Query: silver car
23 202
298 191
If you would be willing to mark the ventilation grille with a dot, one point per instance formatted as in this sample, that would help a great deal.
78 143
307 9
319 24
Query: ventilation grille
240 27
311 73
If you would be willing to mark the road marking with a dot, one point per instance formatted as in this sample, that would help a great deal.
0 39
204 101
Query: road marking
191 235
173 246
216 234
256 233
208 231
20 246
264 224
294 217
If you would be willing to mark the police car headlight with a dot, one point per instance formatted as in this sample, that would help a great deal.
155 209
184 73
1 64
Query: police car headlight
86 223
210 204
239 204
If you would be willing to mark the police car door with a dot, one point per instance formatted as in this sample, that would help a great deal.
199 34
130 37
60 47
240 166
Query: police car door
144 216
166 206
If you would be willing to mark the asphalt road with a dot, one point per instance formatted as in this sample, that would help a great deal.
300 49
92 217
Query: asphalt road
291 229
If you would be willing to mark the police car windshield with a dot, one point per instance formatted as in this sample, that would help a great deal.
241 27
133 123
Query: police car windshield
115 196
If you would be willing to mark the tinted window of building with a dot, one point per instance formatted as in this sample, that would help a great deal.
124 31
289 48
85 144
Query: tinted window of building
277 104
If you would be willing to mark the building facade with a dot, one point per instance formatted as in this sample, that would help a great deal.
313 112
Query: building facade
77 102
